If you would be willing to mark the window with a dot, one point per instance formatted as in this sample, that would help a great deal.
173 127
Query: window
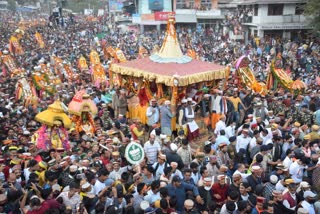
255 10
255 33
299 8
275 9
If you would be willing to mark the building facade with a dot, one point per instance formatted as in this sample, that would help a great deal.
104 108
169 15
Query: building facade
275 18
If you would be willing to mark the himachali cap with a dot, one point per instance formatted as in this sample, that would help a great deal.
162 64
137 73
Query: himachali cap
73 168
276 193
307 137
16 167
60 149
43 165
213 157
116 153
184 101
297 124
221 177
207 179
52 162
163 136
66 158
85 186
315 127
260 200
245 130
256 168
222 145
310 194
289 181
188 203
304 184
13 148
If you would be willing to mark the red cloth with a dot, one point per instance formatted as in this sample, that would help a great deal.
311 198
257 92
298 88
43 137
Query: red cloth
193 135
222 191
291 201
44 207
170 69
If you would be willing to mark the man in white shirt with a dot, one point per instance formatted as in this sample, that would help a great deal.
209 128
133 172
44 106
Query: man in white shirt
160 165
151 148
221 125
102 177
71 198
253 141
296 169
287 161
309 200
153 114
231 130
32 167
243 140
153 194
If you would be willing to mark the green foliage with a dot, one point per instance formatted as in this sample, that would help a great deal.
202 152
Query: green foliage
312 9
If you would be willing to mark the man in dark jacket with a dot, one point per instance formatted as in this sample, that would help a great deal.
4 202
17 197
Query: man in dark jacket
278 206
178 189
172 156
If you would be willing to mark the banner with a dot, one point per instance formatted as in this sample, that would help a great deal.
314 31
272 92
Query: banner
147 17
162 16
155 4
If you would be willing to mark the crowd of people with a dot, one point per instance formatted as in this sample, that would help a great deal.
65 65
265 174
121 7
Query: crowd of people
261 154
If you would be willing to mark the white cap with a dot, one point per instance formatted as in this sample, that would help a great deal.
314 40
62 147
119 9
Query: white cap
207 179
73 168
173 164
56 187
189 99
255 168
309 194
144 205
173 147
85 185
273 179
206 95
26 132
163 136
304 184
184 100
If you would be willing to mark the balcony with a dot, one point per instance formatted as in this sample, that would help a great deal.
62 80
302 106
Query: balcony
278 19
293 18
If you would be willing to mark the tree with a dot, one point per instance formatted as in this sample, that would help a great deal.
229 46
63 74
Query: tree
12 5
312 10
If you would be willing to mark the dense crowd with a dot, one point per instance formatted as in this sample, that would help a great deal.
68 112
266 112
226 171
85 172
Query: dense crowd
261 154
